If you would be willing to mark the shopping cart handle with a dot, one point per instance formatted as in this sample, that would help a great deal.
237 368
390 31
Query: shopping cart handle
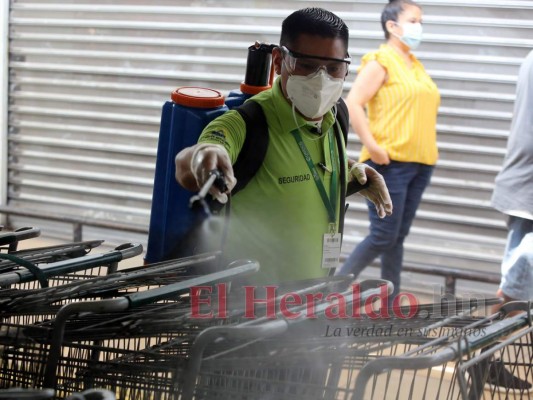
93 394
172 290
28 394
18 235
120 253
368 284
66 250
517 305
129 250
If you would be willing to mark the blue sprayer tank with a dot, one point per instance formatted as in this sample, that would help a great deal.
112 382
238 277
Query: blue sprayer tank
183 118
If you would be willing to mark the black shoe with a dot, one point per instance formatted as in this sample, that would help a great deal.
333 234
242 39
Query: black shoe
502 380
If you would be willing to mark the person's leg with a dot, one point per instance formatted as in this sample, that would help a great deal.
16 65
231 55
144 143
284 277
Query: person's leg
517 282
383 232
392 258
518 228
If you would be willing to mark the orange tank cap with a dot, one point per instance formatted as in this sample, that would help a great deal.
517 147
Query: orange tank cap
198 97
253 90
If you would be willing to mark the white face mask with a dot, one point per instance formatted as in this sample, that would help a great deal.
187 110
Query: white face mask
315 94
412 35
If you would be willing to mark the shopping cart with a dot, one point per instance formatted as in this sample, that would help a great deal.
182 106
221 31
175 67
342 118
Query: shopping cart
139 352
45 302
458 365
325 359
29 275
50 352
245 347
504 361
156 370
25 307
159 371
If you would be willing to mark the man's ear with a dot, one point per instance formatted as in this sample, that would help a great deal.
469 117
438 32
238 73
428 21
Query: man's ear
277 59
390 25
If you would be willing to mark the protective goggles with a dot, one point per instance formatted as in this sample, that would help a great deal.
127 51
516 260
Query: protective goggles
303 64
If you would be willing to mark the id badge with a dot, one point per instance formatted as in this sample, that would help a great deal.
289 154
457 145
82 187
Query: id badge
331 250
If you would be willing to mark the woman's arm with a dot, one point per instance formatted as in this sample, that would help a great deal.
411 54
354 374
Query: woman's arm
369 80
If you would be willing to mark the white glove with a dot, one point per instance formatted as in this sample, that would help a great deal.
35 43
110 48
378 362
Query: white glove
208 157
377 191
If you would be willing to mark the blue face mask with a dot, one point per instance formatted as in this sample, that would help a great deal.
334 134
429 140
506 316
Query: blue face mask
412 34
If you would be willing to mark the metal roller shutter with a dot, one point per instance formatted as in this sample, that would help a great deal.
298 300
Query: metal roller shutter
87 82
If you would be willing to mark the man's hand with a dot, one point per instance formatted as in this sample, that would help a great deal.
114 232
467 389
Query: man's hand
206 158
377 191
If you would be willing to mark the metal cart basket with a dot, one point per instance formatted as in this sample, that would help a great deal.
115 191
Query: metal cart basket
49 352
431 355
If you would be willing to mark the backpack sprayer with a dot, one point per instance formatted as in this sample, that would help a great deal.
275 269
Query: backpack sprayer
190 109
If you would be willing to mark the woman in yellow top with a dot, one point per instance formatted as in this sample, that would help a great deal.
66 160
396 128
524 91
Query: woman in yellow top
398 135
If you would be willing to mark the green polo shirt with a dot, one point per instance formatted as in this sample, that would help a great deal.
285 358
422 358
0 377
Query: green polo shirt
279 218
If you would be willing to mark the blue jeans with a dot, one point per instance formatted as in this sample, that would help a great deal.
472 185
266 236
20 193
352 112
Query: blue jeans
517 263
406 182
518 228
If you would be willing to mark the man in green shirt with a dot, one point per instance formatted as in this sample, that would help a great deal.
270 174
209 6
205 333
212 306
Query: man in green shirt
287 216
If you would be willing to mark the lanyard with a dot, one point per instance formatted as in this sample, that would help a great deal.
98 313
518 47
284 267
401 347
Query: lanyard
330 203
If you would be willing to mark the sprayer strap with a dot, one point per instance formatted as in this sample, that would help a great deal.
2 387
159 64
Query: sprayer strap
255 144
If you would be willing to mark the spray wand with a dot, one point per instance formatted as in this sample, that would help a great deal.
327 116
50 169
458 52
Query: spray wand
199 200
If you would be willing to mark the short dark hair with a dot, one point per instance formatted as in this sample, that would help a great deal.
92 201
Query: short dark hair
313 21
392 11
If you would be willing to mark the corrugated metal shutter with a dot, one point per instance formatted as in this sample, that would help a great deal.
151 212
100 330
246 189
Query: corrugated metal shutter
87 82
473 51
87 85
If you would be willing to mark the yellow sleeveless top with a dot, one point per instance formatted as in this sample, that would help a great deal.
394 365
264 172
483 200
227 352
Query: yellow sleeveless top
403 113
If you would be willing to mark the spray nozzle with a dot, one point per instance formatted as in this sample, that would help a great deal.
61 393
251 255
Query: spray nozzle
215 178
220 181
